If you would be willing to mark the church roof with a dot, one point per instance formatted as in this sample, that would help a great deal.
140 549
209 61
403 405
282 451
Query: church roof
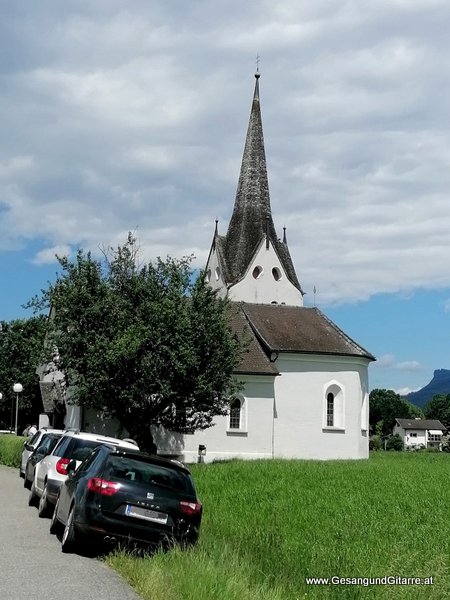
251 221
254 360
297 329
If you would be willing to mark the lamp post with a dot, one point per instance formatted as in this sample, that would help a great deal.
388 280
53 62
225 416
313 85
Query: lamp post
17 388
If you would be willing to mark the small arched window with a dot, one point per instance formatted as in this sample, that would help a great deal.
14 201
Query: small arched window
330 410
334 406
235 414
217 273
208 276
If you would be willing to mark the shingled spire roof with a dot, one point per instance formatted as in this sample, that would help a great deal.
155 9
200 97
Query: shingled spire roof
251 220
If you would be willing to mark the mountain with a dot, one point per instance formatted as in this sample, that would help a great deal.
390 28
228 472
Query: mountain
440 384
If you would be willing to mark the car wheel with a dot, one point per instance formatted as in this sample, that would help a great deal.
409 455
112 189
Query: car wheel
54 523
69 537
44 508
32 498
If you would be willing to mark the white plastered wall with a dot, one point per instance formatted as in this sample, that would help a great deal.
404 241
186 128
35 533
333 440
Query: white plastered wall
254 438
300 392
265 289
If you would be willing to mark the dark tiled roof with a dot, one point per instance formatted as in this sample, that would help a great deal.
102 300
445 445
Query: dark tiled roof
298 329
254 360
420 424
251 221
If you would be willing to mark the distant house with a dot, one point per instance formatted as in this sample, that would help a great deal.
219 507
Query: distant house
419 432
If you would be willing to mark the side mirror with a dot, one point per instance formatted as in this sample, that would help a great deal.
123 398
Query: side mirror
28 446
71 468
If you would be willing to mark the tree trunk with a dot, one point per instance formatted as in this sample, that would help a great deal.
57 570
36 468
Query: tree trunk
143 436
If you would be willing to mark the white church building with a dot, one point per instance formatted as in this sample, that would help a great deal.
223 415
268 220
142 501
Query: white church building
305 392
305 387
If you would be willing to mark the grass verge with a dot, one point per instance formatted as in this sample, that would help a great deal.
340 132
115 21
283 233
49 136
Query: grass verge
268 525
11 447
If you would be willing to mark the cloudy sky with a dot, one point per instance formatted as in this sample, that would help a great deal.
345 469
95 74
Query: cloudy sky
132 116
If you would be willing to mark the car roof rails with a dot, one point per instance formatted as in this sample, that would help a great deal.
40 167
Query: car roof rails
72 429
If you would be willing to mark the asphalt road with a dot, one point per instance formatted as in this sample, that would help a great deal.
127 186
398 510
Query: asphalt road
32 566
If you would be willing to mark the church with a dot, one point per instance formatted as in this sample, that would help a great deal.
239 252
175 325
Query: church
305 391
305 387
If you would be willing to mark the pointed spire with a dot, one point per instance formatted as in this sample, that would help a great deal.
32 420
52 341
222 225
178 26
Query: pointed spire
252 215
251 222
284 236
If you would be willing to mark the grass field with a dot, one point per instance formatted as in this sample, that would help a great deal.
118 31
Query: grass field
270 524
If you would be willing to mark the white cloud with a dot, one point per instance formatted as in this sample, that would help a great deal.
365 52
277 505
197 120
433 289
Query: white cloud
404 391
389 361
408 365
48 255
120 118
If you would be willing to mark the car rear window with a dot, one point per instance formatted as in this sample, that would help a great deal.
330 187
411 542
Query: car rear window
81 449
49 441
128 469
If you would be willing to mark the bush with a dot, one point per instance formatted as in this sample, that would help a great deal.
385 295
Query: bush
11 447
394 443
375 443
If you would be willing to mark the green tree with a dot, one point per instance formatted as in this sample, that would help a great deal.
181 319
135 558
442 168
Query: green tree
146 344
439 408
385 406
21 342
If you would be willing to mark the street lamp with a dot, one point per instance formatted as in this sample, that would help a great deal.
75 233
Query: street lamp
17 388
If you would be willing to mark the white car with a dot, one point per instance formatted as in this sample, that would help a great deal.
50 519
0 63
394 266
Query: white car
51 471
30 446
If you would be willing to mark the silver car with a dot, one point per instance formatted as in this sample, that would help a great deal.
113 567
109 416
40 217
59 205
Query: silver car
51 471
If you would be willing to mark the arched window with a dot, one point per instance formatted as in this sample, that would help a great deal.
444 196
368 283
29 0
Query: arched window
208 276
330 410
235 414
334 406
217 273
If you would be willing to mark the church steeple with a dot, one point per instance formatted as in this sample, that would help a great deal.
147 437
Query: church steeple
252 216
250 261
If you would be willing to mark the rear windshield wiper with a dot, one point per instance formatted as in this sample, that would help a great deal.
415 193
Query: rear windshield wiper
164 485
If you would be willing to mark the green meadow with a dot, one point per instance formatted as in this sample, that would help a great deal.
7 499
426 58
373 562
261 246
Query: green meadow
269 525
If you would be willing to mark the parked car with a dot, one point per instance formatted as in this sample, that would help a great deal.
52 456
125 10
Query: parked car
30 445
126 495
47 442
51 471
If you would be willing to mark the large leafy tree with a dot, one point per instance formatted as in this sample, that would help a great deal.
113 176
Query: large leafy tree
148 344
439 408
21 342
385 406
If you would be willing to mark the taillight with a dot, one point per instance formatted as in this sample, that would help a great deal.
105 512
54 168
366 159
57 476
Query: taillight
61 466
190 508
103 487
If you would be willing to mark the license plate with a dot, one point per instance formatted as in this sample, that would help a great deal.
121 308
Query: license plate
146 514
